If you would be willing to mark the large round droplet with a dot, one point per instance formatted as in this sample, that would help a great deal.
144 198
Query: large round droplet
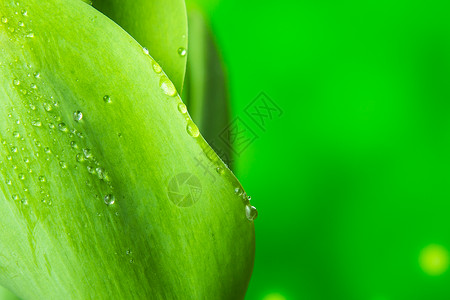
167 86
251 212
182 52
182 108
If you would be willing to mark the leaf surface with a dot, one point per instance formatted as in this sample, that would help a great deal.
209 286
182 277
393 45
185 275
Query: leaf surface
107 190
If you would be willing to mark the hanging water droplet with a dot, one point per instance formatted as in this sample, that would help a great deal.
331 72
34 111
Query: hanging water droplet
182 52
77 116
4 20
182 108
109 199
251 212
192 129
107 99
156 67
16 81
145 51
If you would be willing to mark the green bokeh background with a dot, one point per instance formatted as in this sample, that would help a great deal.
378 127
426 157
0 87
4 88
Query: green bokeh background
352 181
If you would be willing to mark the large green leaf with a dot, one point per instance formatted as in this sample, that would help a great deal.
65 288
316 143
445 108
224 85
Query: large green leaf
107 189
160 26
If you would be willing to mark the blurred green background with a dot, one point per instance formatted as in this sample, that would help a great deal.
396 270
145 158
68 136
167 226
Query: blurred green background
352 180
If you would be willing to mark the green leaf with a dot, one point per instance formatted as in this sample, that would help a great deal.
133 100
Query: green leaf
160 26
206 87
107 190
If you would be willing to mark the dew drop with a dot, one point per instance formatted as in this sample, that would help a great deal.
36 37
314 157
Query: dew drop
14 149
182 52
145 51
24 12
156 67
80 157
8 182
37 75
192 129
21 24
107 99
4 20
30 35
36 123
62 127
87 153
109 199
47 106
47 150
42 179
63 165
21 176
251 212
167 86
15 197
16 81
74 145
220 170
77 115
182 108
16 134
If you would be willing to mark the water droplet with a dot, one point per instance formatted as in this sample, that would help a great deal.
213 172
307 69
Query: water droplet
182 108
167 86
238 191
107 99
24 12
15 197
42 179
47 150
24 201
14 149
21 176
47 106
182 52
220 170
145 51
63 165
62 127
87 153
4 20
192 129
9 157
80 157
33 86
26 160
30 35
251 212
77 115
36 123
74 145
37 75
8 182
16 81
109 199
21 24
156 67
16 134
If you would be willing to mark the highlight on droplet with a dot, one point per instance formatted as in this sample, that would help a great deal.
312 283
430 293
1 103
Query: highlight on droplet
433 260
